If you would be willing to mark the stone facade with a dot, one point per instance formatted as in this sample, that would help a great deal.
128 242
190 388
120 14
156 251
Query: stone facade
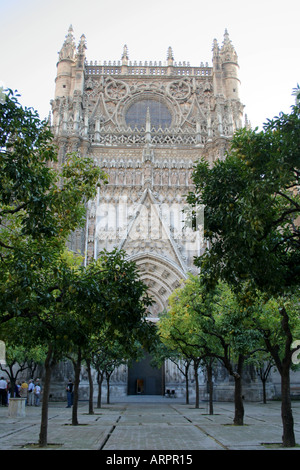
145 124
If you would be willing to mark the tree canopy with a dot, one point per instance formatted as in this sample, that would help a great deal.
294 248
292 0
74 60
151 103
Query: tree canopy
252 207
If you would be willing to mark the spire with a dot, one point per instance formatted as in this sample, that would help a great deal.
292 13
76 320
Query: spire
228 52
216 49
125 55
148 153
148 125
68 49
226 37
247 122
170 57
80 57
216 56
82 45
170 53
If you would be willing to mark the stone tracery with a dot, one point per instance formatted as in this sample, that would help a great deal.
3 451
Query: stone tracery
149 160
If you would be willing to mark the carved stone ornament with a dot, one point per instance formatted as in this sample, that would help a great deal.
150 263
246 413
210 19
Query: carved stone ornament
116 90
180 90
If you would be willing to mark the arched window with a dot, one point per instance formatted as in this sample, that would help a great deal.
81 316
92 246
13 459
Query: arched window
160 115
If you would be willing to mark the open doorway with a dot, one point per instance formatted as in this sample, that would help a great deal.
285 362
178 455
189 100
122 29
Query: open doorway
143 379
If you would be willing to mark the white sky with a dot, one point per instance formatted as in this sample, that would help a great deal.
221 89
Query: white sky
265 34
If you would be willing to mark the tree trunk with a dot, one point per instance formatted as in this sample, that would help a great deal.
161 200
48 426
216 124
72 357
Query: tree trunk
210 388
91 387
264 374
12 380
107 391
12 387
43 437
99 381
108 388
186 375
288 437
238 399
187 398
77 366
196 364
283 366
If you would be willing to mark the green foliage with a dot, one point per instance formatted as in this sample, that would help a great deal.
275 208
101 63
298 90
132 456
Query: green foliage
110 290
108 353
208 324
36 200
251 207
25 151
267 318
39 207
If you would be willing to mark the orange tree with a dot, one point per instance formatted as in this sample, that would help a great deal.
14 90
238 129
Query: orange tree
211 325
178 333
39 206
70 304
252 209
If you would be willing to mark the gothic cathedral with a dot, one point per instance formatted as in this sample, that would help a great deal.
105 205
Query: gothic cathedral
145 124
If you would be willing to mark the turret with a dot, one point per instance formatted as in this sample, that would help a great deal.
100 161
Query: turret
80 59
217 69
67 108
170 61
66 61
230 69
124 59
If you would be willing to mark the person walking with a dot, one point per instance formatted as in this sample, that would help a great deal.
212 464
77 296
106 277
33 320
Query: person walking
30 393
17 389
37 394
3 391
69 390
8 391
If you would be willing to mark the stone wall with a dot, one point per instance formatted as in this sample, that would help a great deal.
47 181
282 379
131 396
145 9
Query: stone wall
174 380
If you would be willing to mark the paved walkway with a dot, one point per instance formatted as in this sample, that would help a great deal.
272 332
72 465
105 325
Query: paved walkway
149 423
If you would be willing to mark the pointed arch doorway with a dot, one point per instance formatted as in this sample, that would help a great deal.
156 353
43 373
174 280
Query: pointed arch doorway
162 276
143 379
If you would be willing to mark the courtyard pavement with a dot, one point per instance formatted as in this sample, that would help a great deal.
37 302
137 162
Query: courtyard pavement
145 423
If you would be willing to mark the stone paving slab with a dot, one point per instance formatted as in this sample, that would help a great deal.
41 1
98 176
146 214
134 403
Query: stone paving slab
165 437
160 425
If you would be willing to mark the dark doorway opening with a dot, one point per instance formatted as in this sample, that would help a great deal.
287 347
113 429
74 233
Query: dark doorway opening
143 379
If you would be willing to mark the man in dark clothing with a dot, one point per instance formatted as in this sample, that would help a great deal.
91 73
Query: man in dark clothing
3 391
69 390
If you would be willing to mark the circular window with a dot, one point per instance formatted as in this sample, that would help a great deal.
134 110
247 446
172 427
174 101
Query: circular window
160 115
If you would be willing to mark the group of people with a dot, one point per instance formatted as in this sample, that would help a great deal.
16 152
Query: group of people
30 390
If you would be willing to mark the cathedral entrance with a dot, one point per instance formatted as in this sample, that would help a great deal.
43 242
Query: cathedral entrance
143 379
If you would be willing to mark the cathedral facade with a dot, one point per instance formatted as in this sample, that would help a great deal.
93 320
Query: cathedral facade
145 124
